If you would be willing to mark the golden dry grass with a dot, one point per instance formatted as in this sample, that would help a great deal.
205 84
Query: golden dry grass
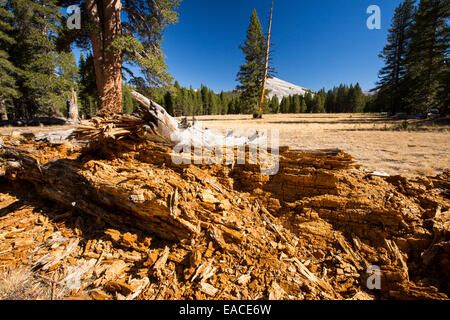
15 284
372 139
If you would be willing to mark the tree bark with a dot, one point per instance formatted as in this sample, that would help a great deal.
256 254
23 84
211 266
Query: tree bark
105 15
3 114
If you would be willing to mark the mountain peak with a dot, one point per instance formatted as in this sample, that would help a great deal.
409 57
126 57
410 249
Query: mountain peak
281 88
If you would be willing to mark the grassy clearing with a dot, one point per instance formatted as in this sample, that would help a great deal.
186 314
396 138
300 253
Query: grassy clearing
415 147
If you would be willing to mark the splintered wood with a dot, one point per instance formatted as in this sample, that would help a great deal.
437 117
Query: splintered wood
129 224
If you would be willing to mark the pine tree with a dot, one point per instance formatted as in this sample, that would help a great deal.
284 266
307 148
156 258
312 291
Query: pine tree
427 54
205 100
303 106
231 107
212 97
186 103
127 99
251 73
351 100
286 104
297 103
125 31
223 103
42 79
308 101
358 99
168 103
291 106
445 81
234 106
319 102
342 99
275 105
199 108
87 86
329 101
391 77
8 72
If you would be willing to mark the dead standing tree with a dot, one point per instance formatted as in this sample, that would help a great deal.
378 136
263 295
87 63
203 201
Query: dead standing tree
72 108
266 70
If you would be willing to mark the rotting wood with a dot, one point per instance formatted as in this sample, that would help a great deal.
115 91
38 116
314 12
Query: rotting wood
126 189
392 246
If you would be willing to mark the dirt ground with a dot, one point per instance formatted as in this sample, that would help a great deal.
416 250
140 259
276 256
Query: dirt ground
373 140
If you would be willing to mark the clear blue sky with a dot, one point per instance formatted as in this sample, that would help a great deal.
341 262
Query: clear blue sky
318 43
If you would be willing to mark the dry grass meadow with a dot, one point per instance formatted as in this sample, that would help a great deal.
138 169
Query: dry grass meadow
376 142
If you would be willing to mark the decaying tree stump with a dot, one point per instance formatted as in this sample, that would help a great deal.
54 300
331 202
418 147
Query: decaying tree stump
72 108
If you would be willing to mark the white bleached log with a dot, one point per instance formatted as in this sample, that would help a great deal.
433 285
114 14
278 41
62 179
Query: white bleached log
172 131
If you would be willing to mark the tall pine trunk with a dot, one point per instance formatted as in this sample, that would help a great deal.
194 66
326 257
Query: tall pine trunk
105 15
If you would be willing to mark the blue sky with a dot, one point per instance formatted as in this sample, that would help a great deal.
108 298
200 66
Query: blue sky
318 43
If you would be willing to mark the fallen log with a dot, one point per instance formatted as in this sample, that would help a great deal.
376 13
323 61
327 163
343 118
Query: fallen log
151 122
146 201
72 184
297 212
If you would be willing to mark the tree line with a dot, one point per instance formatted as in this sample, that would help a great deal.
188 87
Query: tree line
342 99
416 75
181 101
